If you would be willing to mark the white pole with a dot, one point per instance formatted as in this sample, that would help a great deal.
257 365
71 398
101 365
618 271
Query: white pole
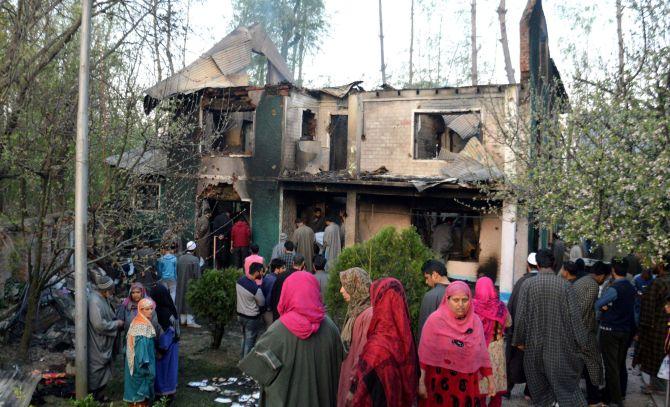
81 206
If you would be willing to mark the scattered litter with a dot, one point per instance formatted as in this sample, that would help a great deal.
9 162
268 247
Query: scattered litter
242 391
198 384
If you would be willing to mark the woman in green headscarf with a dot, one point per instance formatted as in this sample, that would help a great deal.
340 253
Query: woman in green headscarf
356 292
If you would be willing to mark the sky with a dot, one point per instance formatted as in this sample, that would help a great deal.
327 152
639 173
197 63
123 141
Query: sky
351 49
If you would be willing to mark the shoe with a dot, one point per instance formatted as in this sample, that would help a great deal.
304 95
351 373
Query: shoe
194 325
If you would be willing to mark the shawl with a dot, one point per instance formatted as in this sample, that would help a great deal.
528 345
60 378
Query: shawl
389 351
356 282
300 307
165 307
489 308
454 343
140 326
128 302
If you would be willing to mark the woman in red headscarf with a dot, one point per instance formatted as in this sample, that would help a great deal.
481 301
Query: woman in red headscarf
453 353
495 318
387 371
297 360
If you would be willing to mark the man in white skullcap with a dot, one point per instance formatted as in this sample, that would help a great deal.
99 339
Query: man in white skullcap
188 268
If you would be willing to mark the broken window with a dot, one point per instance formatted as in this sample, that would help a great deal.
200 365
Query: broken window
147 197
231 132
449 131
452 236
308 125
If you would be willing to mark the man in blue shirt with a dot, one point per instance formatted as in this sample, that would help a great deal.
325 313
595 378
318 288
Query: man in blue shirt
250 301
617 326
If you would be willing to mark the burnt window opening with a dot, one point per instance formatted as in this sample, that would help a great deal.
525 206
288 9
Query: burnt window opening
451 235
230 132
308 125
147 197
438 132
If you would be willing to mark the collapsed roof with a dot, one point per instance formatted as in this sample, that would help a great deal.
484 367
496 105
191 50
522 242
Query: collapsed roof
223 66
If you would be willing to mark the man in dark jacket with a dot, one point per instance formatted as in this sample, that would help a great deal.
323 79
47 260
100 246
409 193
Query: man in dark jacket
617 326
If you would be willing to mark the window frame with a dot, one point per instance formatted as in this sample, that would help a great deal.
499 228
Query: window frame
476 110
158 197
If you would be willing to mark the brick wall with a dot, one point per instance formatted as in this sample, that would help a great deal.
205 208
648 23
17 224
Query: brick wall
323 108
388 127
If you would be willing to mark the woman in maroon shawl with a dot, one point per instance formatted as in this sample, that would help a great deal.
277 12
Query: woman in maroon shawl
495 319
386 373
453 353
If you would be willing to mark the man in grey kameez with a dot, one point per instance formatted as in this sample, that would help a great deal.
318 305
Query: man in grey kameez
331 243
303 238
188 268
549 328
103 328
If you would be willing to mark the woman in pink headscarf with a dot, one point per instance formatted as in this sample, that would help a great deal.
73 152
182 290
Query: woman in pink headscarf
495 318
297 360
452 353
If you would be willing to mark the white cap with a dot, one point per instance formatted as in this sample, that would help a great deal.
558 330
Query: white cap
190 246
531 259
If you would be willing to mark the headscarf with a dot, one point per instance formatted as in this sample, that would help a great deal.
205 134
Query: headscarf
165 307
300 307
128 302
489 308
356 282
389 350
454 343
140 326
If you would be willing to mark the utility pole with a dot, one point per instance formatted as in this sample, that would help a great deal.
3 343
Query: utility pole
81 207
473 41
411 43
381 41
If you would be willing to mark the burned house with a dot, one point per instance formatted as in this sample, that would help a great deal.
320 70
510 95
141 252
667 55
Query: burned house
405 157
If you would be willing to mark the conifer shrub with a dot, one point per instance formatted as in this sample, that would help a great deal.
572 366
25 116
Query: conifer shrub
213 298
390 253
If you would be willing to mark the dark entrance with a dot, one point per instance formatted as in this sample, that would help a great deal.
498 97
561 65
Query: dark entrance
338 142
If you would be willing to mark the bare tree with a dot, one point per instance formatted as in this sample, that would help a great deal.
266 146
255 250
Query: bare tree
411 43
381 43
473 42
509 69
619 32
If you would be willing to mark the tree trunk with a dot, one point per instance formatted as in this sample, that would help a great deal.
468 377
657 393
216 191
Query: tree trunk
381 42
217 336
31 313
509 69
411 44
619 32
157 56
473 42
168 38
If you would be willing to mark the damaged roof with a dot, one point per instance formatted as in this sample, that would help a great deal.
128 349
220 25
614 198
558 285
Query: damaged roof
223 65
140 161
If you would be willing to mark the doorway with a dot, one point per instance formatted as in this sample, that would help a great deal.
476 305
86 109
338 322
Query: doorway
338 142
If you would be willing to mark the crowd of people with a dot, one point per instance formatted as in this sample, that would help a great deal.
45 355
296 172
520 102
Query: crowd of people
145 326
470 349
